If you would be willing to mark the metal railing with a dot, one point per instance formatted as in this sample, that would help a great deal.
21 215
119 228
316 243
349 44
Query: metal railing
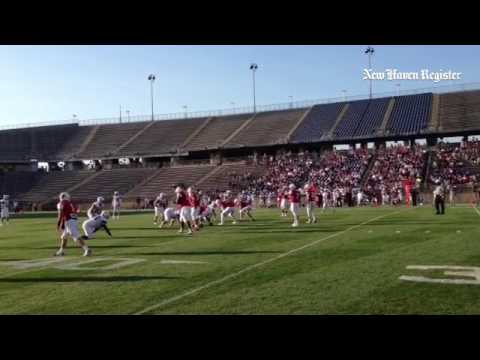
249 109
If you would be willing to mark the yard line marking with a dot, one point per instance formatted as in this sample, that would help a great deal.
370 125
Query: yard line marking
478 212
182 262
254 266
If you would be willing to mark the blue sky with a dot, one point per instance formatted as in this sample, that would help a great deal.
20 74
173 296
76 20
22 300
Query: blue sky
48 83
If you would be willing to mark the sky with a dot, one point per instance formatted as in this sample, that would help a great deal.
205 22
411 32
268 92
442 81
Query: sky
49 83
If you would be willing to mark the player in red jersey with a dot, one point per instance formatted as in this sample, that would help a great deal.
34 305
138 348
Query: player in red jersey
294 199
244 204
227 206
283 194
310 192
185 210
67 223
194 200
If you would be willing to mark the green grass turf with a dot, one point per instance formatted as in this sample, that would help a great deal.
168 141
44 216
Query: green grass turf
350 271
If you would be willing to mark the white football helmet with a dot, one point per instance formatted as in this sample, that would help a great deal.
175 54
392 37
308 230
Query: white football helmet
100 199
64 196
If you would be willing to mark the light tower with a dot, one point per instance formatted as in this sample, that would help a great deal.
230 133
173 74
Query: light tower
254 68
370 51
151 78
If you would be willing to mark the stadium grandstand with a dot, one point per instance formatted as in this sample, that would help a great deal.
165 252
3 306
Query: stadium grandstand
240 149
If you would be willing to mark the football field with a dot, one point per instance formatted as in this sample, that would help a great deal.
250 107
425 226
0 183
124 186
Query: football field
353 261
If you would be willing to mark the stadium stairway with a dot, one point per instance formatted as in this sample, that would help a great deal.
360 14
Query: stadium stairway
238 131
366 173
108 181
299 122
195 133
50 185
142 183
88 139
220 179
337 122
268 128
133 138
165 179
383 126
428 166
434 120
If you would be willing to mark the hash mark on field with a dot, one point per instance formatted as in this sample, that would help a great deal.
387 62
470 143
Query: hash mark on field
254 266
182 262
478 212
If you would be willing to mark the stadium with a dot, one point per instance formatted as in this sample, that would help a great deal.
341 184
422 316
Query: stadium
368 239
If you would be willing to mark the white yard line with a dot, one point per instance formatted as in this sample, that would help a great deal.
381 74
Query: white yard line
478 212
254 266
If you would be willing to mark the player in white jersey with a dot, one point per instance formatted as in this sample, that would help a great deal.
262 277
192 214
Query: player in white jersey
325 199
170 215
116 205
159 204
92 225
359 197
96 208
4 209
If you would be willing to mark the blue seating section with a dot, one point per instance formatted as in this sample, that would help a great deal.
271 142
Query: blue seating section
410 114
351 119
372 120
317 123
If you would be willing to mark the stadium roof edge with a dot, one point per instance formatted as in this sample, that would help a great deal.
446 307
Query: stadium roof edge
249 109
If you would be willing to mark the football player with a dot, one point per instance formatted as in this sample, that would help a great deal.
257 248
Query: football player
92 225
294 200
4 209
68 225
116 205
96 208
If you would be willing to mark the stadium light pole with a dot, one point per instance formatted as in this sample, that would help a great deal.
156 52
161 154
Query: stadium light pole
185 107
74 117
254 68
128 115
120 114
344 95
232 104
291 101
151 77
370 50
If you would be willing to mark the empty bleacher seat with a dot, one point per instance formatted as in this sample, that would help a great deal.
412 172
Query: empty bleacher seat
267 128
317 123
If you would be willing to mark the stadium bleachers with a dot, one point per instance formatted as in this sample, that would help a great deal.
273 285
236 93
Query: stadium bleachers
71 148
460 111
108 181
15 183
317 123
267 128
167 178
221 180
163 137
215 133
50 185
109 137
373 117
47 140
351 120
410 114
15 145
